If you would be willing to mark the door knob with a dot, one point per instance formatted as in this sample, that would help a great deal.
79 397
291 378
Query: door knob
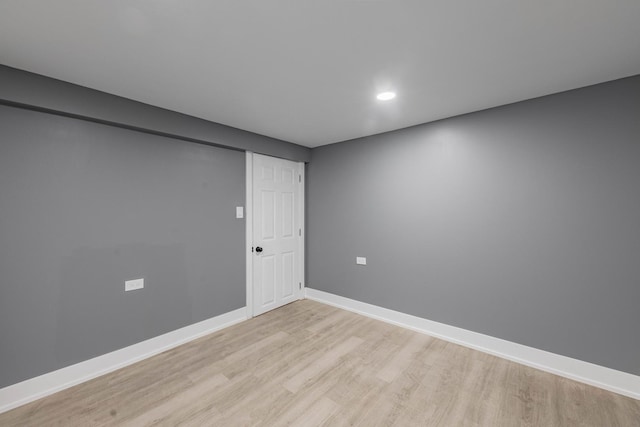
258 249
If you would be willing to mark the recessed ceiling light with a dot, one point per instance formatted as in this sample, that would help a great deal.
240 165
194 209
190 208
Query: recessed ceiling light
385 96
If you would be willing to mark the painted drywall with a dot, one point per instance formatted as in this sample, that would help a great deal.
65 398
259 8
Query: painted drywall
85 206
20 87
519 222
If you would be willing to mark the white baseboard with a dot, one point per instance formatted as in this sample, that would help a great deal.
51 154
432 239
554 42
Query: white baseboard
578 370
35 388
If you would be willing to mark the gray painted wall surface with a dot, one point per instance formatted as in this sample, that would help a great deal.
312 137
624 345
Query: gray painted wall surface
22 87
520 222
84 206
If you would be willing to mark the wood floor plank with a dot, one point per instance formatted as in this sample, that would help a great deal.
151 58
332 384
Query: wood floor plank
168 408
311 364
404 357
324 363
317 413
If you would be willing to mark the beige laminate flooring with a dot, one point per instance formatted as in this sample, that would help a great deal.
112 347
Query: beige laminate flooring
310 364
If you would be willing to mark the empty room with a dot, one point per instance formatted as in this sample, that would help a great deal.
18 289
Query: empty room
353 213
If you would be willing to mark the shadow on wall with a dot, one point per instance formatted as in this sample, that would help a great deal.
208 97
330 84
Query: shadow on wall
95 313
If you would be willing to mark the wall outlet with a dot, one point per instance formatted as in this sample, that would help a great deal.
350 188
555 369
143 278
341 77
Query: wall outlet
132 285
239 212
360 260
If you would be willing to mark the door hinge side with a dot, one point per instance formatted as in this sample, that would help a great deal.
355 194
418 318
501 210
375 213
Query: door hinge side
299 178
300 285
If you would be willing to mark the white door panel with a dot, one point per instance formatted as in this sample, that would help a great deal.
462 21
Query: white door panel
277 230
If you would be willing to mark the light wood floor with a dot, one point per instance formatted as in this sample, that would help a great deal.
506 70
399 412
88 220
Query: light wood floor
310 364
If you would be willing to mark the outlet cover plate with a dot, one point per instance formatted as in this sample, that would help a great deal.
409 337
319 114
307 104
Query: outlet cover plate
132 285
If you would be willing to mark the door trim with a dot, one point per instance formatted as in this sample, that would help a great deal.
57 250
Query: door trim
248 217
301 241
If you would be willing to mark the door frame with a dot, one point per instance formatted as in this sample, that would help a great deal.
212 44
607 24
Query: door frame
249 229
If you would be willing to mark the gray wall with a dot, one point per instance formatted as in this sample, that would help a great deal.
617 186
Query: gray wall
520 222
84 206
19 87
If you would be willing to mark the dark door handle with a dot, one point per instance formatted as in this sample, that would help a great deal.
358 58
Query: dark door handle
258 249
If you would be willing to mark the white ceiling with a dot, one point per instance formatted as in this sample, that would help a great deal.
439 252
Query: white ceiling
308 71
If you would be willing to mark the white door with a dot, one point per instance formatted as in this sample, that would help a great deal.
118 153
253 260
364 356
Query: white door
277 247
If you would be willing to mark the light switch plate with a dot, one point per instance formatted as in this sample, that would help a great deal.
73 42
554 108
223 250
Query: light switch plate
360 260
132 285
239 212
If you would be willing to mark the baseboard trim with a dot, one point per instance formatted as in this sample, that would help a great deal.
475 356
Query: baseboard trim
578 370
35 388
